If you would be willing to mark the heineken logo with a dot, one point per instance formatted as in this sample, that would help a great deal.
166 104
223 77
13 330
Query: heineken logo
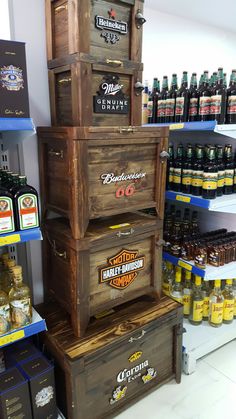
110 97
122 269
110 27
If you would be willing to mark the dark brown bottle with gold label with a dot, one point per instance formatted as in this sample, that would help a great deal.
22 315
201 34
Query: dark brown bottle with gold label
187 170
210 175
229 170
197 171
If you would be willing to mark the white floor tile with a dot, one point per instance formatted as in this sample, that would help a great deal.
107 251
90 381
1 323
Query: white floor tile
224 360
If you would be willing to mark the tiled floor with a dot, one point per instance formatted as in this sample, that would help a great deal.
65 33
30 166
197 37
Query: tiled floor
209 393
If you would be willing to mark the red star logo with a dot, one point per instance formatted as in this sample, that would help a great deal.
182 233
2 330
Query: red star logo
112 13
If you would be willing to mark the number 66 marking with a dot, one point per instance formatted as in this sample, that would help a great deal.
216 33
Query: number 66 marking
128 191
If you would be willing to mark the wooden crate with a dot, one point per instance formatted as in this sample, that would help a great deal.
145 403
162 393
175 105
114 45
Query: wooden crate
87 91
74 163
118 260
122 358
81 26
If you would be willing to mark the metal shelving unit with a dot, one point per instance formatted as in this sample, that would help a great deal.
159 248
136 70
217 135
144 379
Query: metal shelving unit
225 203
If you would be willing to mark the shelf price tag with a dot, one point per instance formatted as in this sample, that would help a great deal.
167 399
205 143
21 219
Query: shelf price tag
13 238
174 127
182 198
185 265
12 337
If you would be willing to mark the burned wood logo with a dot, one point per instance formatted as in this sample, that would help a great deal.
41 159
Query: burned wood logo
122 269
110 98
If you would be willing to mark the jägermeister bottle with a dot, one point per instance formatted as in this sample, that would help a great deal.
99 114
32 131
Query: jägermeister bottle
210 176
170 167
204 100
218 99
196 311
182 100
187 170
177 288
216 307
26 205
187 293
171 99
7 223
231 100
228 314
161 107
178 167
229 170
20 300
193 99
197 171
221 170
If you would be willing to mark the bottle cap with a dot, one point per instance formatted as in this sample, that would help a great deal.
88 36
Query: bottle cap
198 280
229 281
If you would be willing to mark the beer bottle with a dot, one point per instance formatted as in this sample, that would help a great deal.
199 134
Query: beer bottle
204 100
170 167
225 82
161 107
176 236
221 170
145 98
193 99
218 99
25 205
178 165
200 82
231 100
214 80
196 309
171 99
228 313
197 171
182 100
187 293
155 91
216 306
150 107
195 231
229 170
177 288
187 171
210 176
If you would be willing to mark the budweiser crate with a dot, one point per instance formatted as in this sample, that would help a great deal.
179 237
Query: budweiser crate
87 173
121 359
118 260
85 91
103 28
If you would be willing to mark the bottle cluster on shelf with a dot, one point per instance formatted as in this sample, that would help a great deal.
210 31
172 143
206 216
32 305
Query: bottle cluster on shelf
201 301
19 209
202 170
204 101
184 240
15 299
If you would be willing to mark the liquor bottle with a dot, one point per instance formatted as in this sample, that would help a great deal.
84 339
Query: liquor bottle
178 165
187 171
176 236
195 231
216 306
5 317
170 167
229 170
26 205
210 176
8 278
15 182
221 170
200 255
149 108
234 291
228 313
197 172
204 101
161 104
193 99
145 98
177 288
182 100
168 278
225 83
171 100
155 91
218 99
186 225
231 100
206 294
187 293
201 82
20 300
7 223
196 310
214 80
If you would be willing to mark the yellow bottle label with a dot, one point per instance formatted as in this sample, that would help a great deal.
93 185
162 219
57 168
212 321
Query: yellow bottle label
217 313
166 288
221 183
228 310
206 307
229 177
209 184
229 181
197 311
171 173
177 175
186 303
197 179
179 300
187 177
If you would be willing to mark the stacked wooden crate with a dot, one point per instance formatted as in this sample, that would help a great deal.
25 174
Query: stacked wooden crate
98 169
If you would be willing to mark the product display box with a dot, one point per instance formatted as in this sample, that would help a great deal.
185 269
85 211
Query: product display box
14 100
118 260
92 172
14 395
104 28
17 354
122 357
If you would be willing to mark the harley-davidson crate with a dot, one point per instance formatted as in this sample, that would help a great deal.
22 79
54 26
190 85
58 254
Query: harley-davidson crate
118 260
104 28
121 359
87 173
85 91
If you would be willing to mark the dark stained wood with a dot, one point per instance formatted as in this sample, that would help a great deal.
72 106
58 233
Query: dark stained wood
90 365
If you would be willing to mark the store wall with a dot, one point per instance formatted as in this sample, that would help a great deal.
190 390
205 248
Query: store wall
4 20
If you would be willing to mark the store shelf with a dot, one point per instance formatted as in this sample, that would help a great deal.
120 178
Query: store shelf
38 325
20 236
209 274
225 203
199 341
227 130
17 124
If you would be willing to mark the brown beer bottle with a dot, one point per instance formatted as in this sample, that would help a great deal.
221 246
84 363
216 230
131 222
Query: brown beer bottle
231 100
210 176
170 167
178 167
229 170
204 100
221 170
193 99
218 99
197 171
182 100
161 107
171 100
187 170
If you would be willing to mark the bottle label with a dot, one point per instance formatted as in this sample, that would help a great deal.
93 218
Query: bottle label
229 177
214 259
7 224
210 181
186 176
170 107
177 175
221 179
20 312
231 110
228 313
5 319
204 105
193 106
234 176
216 101
161 108
28 211
149 108
206 307
166 288
179 109
197 178
200 260
187 301
197 311
171 174
217 313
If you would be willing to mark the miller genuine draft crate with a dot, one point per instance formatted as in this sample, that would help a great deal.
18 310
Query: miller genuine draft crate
85 91
121 359
104 28
87 173
118 260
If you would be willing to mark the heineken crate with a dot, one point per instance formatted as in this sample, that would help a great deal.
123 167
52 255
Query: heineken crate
110 29
93 172
85 91
121 359
118 260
